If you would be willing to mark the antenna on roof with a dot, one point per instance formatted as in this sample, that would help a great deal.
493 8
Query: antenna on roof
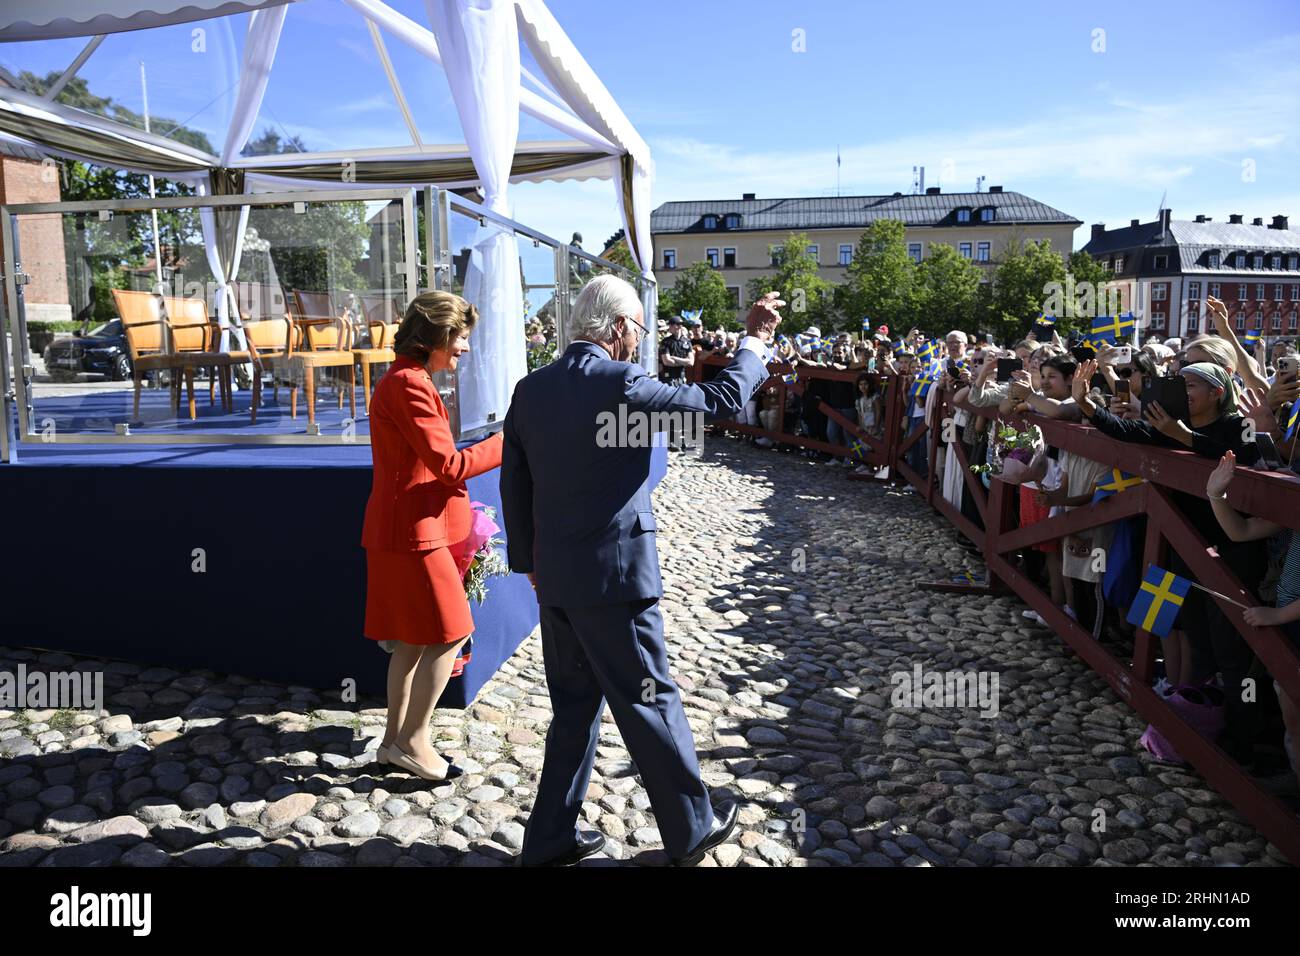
837 169
979 182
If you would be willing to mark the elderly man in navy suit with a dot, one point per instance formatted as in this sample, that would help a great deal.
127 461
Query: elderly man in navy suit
575 496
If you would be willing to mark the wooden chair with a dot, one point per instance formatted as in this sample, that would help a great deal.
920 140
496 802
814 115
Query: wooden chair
381 319
327 339
150 340
193 332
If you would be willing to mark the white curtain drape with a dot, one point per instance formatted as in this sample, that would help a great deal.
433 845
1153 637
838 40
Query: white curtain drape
479 45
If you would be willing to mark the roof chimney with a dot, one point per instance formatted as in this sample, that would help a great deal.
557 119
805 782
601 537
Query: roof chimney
932 190
1167 218
1098 230
1257 221
1200 217
747 196
1235 218
995 189
1132 223
1279 222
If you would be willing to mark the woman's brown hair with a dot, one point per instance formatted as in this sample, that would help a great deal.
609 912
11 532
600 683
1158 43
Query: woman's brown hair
432 320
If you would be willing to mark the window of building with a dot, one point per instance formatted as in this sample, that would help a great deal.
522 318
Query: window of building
1162 262
1277 292
1194 306
1277 321
964 248
1291 322
1216 290
1157 320
1295 293
732 221
1214 260
1241 291
1275 263
710 222
1193 291
734 292
774 256
1119 263
1257 262
986 215
1159 292
670 258
1259 291
1239 260
1105 264
1292 261
729 258
982 252
1193 323
1240 322
963 215
914 251
712 256
846 254
815 250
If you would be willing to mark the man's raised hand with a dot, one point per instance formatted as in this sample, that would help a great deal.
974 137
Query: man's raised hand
763 318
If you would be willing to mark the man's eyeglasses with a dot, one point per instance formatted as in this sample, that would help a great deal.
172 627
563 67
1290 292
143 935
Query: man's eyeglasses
644 330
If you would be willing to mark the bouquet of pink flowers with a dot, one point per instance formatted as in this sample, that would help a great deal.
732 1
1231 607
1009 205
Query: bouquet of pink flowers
477 557
1017 457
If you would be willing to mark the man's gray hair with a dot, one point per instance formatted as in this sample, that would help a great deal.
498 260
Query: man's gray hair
600 304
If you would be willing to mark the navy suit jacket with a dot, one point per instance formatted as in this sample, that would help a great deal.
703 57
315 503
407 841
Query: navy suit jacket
577 514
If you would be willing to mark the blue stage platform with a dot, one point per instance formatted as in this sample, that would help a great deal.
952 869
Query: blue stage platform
100 542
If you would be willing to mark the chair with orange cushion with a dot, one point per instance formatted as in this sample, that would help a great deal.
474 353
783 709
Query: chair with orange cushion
381 315
327 338
195 333
151 341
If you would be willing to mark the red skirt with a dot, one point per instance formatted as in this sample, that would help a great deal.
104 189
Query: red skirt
416 597
1031 512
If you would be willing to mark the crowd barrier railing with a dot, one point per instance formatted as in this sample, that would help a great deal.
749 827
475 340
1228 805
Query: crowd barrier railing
1270 495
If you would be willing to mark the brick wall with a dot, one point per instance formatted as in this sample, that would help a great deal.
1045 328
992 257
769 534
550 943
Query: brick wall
40 237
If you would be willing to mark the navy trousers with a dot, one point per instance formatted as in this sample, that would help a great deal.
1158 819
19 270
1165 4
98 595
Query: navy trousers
614 653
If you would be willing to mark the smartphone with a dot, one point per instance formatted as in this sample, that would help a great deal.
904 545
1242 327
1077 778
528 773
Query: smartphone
1122 355
1171 393
1083 353
952 369
1286 368
1268 451
1122 389
1008 365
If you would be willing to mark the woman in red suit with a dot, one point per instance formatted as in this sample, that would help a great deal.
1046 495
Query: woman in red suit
418 507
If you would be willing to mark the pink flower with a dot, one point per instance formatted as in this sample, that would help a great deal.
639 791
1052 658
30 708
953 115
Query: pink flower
480 530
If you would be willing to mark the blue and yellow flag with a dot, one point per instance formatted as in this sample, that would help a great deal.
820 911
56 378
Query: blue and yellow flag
927 351
899 347
921 387
689 314
866 324
1252 338
859 449
1117 482
791 378
1045 320
1158 601
1292 420
1107 328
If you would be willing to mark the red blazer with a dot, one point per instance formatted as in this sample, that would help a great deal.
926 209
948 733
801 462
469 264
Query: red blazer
418 499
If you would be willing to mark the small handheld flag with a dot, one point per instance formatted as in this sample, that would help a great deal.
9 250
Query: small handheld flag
1107 328
690 314
866 324
1045 320
899 347
859 450
790 379
1252 338
1117 482
1292 421
1158 601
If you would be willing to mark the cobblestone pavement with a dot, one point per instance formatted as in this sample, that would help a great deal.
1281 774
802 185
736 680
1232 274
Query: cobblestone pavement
784 657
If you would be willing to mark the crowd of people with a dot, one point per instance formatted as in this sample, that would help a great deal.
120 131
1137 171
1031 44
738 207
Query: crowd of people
1233 395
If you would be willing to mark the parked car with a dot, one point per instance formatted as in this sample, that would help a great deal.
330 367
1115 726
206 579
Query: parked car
103 350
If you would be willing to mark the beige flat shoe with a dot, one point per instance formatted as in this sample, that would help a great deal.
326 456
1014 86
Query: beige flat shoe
381 755
399 758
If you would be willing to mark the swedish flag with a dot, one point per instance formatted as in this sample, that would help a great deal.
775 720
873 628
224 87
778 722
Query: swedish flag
1158 601
1117 482
866 324
899 347
1045 320
927 350
1292 420
1107 328
790 379
859 449
921 387
1252 338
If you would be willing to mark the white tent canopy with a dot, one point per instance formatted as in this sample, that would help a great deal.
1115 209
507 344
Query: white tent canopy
477 45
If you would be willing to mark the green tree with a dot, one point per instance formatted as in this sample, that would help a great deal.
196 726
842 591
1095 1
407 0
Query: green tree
700 286
948 290
881 282
1022 285
810 299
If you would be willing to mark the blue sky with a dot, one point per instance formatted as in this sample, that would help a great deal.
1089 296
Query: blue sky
1010 91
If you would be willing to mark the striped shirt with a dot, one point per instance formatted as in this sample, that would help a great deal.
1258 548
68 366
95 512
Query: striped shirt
1288 585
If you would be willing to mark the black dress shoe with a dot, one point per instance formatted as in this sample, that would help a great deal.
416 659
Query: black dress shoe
585 844
725 815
